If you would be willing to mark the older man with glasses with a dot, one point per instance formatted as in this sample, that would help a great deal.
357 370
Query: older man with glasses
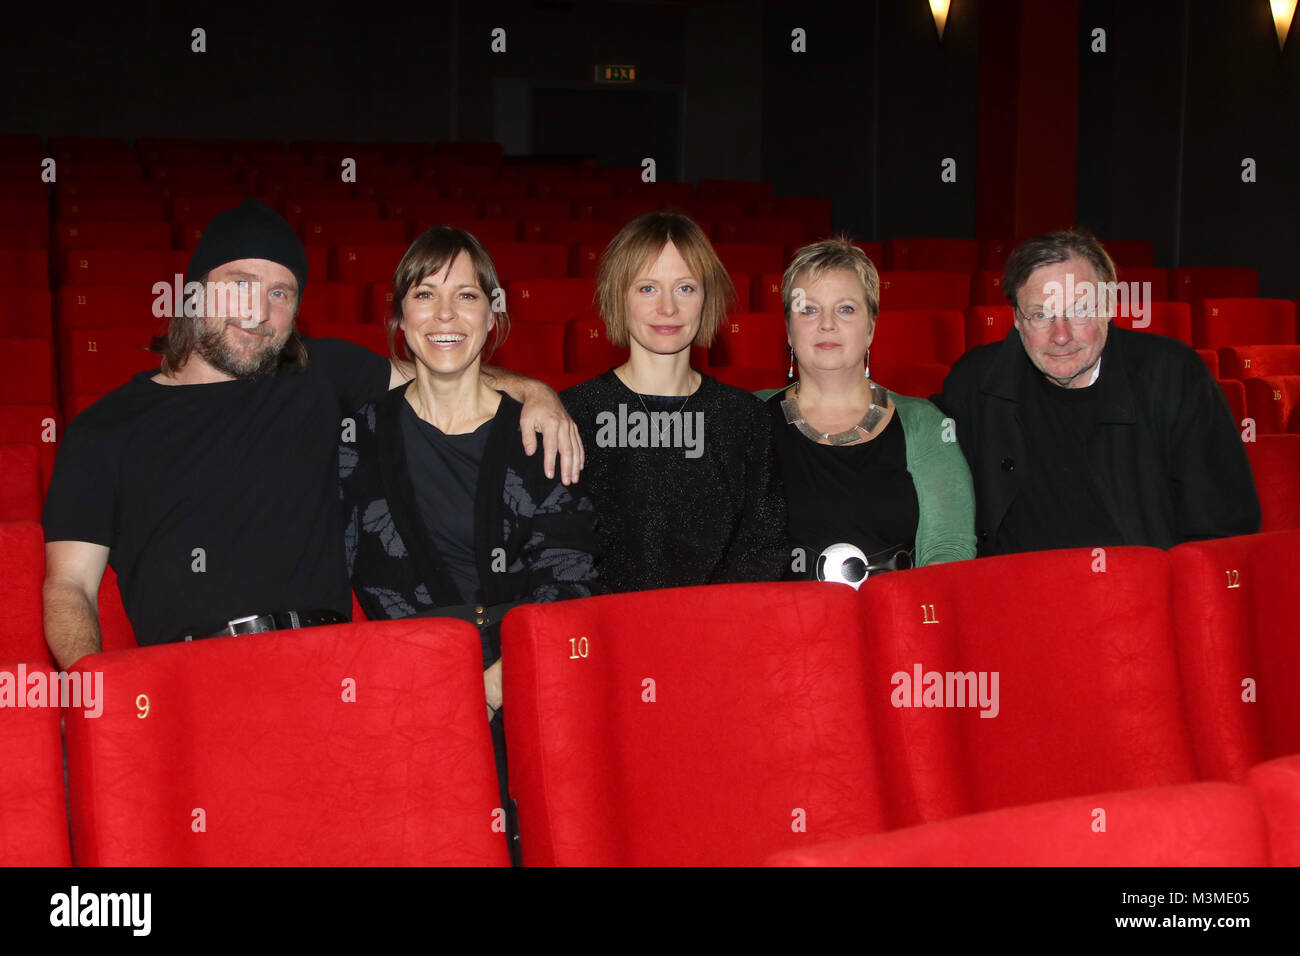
1081 434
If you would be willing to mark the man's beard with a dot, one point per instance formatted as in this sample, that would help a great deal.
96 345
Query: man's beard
214 348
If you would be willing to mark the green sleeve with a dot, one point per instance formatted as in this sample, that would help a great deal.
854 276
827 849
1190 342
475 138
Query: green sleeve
944 492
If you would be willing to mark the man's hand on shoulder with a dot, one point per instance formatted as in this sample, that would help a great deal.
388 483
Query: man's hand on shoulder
543 412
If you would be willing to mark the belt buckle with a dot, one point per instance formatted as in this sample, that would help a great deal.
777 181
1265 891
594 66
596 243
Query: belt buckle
229 630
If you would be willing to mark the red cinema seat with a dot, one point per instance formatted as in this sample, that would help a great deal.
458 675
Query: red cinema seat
1080 699
1274 403
494 191
1131 252
924 290
1235 620
740 284
988 323
550 300
341 232
620 211
490 232
433 211
736 190
568 231
1220 323
351 745
202 208
96 361
24 212
1211 360
129 267
377 302
26 372
22 573
875 252
1275 462
24 312
37 425
1157 291
587 350
585 259
1188 285
627 747
527 209
373 337
993 253
751 258
765 296
1277 787
24 237
529 260
661 194
1172 319
115 306
918 337
932 255
783 231
75 209
812 212
1197 824
329 303
1259 361
115 236
21 490
25 268
750 340
33 812
986 288
576 190
919 379
191 174
534 348
370 262
335 210
1235 393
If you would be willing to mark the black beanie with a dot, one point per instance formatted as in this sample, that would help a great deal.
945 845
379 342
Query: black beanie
252 230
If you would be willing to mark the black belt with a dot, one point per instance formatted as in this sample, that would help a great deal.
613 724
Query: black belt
274 621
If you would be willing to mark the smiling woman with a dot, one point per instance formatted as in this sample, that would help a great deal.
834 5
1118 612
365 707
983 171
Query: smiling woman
445 515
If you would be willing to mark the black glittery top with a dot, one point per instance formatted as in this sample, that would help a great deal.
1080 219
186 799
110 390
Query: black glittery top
691 499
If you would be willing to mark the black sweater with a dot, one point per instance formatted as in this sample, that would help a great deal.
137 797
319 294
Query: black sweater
677 516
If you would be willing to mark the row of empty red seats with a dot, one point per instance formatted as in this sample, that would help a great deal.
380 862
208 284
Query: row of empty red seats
812 717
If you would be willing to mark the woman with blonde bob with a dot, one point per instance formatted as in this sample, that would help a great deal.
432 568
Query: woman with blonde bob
679 465
860 465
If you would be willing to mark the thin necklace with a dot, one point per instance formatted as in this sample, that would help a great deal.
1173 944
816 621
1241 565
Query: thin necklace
862 430
669 426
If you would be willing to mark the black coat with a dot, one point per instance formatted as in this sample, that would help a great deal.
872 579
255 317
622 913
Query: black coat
535 539
1168 462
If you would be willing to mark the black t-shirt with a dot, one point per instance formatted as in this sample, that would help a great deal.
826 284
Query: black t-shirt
216 500
1058 505
858 494
444 473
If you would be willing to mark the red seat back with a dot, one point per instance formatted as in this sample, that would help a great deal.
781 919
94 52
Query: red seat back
924 290
33 812
918 336
1087 688
22 573
935 255
1274 403
1259 361
1238 650
1275 461
1218 323
357 744
630 746
21 490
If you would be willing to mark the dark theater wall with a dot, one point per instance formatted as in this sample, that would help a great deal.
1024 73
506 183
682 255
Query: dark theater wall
1140 179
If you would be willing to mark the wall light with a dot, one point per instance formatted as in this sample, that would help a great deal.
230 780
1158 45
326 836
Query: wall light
940 10
1283 11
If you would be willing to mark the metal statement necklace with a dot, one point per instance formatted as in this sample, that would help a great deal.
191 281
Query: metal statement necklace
875 415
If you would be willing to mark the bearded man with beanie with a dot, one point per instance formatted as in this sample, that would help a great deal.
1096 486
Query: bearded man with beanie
211 485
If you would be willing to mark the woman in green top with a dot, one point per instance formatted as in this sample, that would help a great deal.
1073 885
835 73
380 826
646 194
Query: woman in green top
860 464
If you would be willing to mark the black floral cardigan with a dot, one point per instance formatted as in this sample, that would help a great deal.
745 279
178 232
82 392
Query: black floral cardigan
546 530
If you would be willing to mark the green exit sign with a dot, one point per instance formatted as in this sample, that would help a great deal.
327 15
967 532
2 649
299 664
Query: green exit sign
615 74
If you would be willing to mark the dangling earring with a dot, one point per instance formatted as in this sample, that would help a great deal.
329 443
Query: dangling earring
790 374
866 365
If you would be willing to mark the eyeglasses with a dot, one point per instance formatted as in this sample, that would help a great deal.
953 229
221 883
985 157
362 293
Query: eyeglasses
1043 320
